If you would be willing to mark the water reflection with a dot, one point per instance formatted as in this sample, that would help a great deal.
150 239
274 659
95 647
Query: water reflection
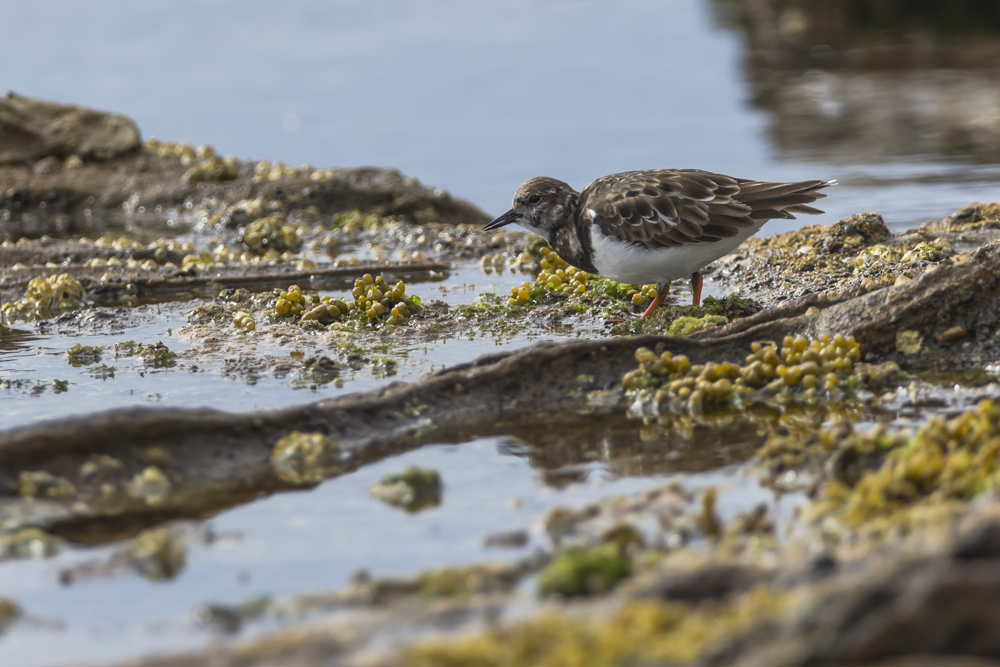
859 79
625 448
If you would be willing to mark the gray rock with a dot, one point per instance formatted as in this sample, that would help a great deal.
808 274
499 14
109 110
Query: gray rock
31 129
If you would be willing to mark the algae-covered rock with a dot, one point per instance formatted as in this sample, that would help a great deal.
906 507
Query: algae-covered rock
413 489
47 297
28 543
157 554
305 458
83 355
150 485
270 233
685 326
158 355
584 571
42 484
923 252
879 252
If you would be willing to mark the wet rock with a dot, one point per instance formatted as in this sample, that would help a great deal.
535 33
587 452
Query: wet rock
35 130
513 539
413 489
157 554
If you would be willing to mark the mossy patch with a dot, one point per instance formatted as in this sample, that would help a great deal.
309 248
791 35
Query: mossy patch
586 571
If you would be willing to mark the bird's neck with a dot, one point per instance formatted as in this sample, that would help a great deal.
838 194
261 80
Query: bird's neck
571 241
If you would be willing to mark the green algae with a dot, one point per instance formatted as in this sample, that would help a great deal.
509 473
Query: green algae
414 489
685 326
305 458
83 355
584 571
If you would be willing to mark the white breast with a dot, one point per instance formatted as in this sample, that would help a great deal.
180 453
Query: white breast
629 263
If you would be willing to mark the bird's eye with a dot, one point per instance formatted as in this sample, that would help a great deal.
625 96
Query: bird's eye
534 199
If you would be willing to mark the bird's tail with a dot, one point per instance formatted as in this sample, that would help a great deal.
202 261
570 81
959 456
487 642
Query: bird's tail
768 201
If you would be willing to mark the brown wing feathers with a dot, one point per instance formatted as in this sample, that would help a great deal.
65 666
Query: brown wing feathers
669 208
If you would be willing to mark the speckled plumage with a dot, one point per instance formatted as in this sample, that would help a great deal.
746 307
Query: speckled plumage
656 225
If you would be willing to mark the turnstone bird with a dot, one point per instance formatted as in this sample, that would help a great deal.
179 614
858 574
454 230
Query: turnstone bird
654 226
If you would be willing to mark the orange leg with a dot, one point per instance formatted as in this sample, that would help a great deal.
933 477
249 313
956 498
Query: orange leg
696 282
660 296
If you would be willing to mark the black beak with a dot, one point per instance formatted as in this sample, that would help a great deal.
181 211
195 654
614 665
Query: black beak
505 219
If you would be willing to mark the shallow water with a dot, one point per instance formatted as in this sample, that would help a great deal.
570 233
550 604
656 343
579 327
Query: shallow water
314 541
473 97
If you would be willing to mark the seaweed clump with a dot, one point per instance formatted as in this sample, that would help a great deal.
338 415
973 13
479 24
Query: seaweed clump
414 489
46 297
83 355
638 633
271 233
875 478
800 371
585 571
374 300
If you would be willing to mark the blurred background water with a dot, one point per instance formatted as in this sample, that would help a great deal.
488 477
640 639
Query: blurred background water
898 100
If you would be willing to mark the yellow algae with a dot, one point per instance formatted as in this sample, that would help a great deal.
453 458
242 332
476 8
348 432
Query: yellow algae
47 297
157 554
271 233
151 486
304 458
41 484
685 326
637 633
909 342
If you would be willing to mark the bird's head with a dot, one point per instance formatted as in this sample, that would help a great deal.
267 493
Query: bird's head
541 205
